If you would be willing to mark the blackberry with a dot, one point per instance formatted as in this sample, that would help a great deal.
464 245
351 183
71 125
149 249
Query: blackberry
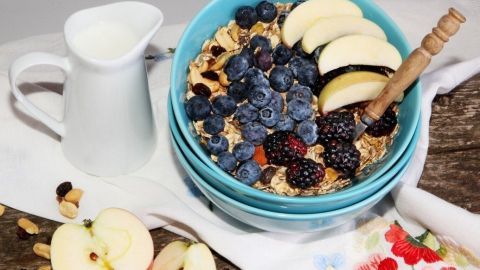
304 173
283 147
343 157
338 126
385 125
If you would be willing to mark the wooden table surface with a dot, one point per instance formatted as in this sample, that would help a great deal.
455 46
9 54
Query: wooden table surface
451 173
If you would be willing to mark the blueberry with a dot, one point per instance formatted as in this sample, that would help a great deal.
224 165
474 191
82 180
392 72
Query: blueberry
308 131
281 79
261 42
263 60
246 113
299 110
259 96
298 50
249 172
224 105
300 92
254 132
248 54
214 124
266 12
236 67
281 18
296 4
308 75
269 117
217 144
198 108
238 91
296 64
281 55
285 124
226 161
255 76
276 102
243 151
246 17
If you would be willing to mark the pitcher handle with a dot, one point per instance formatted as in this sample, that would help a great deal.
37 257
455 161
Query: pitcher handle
21 64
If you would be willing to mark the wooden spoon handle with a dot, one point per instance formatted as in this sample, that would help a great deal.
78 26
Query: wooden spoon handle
416 63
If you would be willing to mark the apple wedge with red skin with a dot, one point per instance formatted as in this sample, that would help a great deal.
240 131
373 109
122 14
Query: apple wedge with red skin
115 240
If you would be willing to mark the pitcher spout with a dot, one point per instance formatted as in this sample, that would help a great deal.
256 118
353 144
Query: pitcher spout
113 32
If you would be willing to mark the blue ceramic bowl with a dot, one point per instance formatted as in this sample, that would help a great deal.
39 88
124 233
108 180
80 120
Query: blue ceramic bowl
219 12
285 204
280 222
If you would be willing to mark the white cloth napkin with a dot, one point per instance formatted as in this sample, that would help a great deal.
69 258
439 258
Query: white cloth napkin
32 165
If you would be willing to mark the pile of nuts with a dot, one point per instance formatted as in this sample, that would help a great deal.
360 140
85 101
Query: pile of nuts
68 199
27 228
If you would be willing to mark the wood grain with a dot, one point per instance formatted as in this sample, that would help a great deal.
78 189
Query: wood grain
451 172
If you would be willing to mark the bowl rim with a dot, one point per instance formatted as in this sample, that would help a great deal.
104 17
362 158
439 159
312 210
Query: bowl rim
404 159
229 180
271 214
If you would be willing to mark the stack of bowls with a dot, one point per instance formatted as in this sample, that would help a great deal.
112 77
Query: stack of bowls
269 211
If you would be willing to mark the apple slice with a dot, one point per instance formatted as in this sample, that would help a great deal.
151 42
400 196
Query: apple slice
351 88
171 257
358 50
325 30
115 240
199 257
304 15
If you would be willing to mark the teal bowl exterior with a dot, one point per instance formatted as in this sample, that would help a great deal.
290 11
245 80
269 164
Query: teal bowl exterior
317 204
219 12
282 222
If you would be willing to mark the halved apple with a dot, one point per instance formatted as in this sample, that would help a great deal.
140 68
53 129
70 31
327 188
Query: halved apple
358 50
325 30
303 16
351 88
116 239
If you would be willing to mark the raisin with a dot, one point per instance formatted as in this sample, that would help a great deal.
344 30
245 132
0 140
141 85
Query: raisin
22 234
64 188
201 90
267 175
211 75
217 50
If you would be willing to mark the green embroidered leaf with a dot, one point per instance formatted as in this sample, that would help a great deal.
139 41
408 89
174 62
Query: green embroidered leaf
442 252
430 241
461 261
372 241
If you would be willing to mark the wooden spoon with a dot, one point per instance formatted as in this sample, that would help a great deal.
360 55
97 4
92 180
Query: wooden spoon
411 68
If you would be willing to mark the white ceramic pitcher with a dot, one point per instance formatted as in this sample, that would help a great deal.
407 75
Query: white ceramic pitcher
108 127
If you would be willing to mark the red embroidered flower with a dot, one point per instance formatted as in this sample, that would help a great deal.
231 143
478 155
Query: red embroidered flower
448 268
406 247
388 264
395 233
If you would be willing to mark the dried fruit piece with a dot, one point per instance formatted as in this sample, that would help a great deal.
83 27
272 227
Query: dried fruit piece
22 234
68 210
211 75
2 210
267 175
195 77
201 90
259 155
217 50
42 250
28 226
64 188
74 195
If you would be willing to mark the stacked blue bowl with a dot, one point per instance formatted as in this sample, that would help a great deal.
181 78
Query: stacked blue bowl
269 211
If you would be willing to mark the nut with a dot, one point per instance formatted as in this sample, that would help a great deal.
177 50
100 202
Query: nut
44 267
224 39
223 79
74 195
221 60
28 226
257 28
42 250
235 32
2 210
195 77
68 210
